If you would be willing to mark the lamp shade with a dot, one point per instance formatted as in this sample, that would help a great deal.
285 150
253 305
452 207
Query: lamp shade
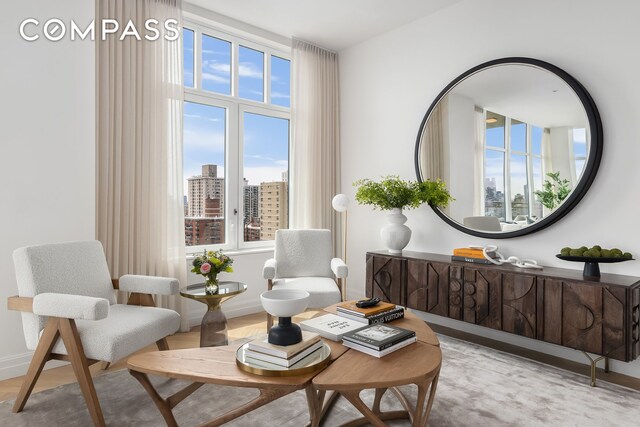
340 202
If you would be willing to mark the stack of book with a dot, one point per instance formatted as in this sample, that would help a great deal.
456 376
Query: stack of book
378 340
330 326
475 255
383 312
262 353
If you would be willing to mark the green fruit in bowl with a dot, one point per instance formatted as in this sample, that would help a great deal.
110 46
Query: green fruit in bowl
596 251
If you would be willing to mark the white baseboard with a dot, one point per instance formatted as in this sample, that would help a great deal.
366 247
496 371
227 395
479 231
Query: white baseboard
16 365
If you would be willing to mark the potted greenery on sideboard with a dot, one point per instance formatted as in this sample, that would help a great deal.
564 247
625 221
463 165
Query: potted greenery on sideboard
395 194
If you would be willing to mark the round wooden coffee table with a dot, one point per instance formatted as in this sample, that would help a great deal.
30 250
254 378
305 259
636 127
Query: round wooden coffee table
348 373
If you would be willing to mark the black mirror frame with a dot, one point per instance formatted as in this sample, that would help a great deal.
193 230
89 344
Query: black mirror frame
591 167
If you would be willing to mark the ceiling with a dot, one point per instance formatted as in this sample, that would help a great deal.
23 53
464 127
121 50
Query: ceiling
526 93
332 24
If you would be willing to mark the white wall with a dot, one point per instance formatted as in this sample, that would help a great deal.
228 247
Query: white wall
46 149
388 82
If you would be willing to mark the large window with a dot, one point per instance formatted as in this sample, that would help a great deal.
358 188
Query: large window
512 168
236 139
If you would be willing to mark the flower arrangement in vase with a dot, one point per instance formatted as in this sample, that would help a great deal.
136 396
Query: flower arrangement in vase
210 264
395 194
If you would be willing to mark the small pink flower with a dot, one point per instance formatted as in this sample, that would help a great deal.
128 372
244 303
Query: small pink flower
205 268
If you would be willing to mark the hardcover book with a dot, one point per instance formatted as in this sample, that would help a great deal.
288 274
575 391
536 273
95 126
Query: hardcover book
472 253
330 326
474 260
384 317
263 346
379 336
281 361
350 307
379 353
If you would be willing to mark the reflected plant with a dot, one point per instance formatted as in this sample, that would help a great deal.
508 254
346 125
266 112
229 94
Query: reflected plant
554 191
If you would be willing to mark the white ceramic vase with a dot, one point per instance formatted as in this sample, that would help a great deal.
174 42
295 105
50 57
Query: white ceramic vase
395 235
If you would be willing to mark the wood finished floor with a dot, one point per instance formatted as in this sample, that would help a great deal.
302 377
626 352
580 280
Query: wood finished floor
255 324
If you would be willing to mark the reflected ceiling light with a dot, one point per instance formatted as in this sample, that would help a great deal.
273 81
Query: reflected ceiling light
491 120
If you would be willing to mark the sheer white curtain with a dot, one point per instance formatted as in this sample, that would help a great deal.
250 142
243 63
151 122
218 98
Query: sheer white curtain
315 148
139 206
432 156
478 162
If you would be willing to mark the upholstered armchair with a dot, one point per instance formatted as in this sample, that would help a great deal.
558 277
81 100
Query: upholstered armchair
303 260
69 312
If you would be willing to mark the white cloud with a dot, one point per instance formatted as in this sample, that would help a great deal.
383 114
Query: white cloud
256 175
279 95
219 67
215 78
194 116
204 140
247 69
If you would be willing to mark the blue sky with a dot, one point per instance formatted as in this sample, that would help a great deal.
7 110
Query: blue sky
266 153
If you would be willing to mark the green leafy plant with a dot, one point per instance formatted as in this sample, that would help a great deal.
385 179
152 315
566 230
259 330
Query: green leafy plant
392 192
554 191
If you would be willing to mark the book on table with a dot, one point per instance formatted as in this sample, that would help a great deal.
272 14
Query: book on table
314 357
351 308
471 259
280 361
473 253
384 317
330 326
378 337
379 353
262 345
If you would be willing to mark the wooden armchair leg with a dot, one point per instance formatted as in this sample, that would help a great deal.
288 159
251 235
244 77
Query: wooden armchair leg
72 343
43 351
162 344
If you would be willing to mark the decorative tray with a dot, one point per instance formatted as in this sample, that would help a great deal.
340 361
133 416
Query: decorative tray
591 268
316 361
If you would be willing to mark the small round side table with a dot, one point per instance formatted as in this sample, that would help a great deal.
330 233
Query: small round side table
213 329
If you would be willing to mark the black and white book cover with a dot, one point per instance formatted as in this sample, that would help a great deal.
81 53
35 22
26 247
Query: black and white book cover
378 336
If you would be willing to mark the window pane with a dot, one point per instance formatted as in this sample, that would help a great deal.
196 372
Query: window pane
495 130
204 144
536 140
519 187
216 65
250 74
494 184
187 47
266 171
518 136
280 81
536 164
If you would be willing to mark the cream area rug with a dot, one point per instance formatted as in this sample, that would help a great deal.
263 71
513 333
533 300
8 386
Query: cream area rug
478 386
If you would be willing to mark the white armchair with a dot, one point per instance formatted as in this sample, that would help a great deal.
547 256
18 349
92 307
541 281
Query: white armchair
303 260
69 312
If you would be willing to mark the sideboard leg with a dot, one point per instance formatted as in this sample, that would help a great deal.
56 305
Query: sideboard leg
594 364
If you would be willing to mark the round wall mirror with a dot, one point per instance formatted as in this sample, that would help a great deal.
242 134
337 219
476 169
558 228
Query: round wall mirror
518 142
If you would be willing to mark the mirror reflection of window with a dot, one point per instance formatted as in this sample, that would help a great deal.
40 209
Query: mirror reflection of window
579 140
494 166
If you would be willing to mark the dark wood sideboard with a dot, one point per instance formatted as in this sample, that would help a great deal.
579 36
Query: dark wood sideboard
559 306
